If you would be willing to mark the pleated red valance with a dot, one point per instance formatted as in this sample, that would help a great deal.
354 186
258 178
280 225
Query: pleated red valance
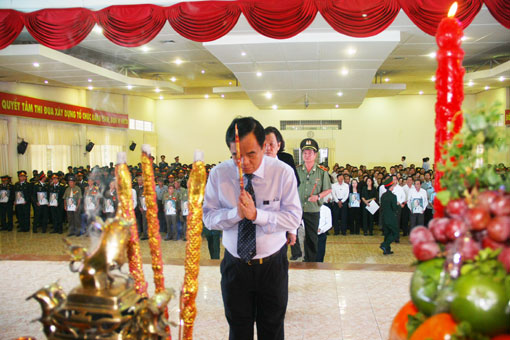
135 25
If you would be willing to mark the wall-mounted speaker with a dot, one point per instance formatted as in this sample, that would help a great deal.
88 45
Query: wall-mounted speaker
22 147
89 146
132 146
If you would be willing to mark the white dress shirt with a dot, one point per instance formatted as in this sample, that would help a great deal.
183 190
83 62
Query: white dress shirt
413 195
340 192
400 193
325 221
382 190
277 202
135 201
406 191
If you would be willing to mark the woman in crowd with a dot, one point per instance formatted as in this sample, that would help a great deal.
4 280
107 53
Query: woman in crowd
368 194
354 207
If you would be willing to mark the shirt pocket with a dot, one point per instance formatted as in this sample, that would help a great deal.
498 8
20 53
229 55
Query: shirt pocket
271 205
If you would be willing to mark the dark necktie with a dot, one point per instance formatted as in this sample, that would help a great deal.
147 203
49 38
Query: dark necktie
246 246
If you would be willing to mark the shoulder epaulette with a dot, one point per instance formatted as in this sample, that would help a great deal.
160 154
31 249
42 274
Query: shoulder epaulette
323 168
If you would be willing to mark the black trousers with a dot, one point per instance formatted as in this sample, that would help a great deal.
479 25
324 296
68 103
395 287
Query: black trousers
368 221
57 215
6 216
321 246
311 220
295 250
416 220
213 243
40 218
355 220
399 216
255 293
404 220
23 215
342 214
427 217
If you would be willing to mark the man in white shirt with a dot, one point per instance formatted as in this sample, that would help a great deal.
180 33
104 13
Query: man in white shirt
324 225
254 270
401 202
404 163
417 202
340 194
406 213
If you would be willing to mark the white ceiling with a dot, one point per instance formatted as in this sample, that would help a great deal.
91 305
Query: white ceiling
307 65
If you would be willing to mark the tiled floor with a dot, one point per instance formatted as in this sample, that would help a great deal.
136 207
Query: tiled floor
353 295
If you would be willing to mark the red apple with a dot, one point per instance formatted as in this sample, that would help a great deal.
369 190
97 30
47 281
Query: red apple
438 228
485 199
504 257
469 248
478 218
455 228
426 250
501 206
457 207
499 228
421 234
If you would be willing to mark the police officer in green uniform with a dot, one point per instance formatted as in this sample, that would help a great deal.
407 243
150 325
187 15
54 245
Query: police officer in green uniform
389 208
315 184
22 200
56 192
6 203
40 199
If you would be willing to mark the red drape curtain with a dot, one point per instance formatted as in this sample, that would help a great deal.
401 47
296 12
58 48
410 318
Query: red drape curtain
500 10
203 21
279 19
59 28
135 25
359 18
427 14
10 27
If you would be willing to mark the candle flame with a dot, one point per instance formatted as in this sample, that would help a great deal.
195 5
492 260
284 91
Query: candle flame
453 10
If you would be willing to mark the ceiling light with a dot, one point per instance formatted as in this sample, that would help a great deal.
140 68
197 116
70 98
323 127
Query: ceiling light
243 53
173 79
90 87
344 72
386 79
433 78
36 64
464 38
161 97
157 90
145 48
351 51
206 96
46 82
421 92
129 87
339 94
274 106
98 29
203 71
89 80
222 96
470 83
268 95
336 106
178 61
501 78
259 74
486 87
432 54
230 83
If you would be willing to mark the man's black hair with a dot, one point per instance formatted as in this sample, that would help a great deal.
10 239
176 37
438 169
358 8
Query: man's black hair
278 135
245 126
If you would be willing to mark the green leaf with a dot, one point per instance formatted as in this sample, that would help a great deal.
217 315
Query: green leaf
443 196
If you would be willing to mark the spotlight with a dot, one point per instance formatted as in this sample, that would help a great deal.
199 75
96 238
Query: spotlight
89 146
132 146
22 147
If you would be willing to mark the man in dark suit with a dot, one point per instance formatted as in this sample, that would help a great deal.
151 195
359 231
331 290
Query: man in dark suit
6 203
40 198
389 208
22 200
56 192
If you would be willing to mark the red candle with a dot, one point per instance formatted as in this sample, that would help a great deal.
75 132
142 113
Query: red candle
450 92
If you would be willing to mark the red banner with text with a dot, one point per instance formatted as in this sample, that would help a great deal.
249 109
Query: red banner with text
16 105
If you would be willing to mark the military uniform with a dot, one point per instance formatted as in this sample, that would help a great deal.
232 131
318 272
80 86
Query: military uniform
40 198
317 180
6 204
389 208
56 204
183 211
72 200
22 200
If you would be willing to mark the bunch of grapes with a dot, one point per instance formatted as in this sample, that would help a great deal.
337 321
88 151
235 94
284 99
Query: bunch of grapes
466 230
